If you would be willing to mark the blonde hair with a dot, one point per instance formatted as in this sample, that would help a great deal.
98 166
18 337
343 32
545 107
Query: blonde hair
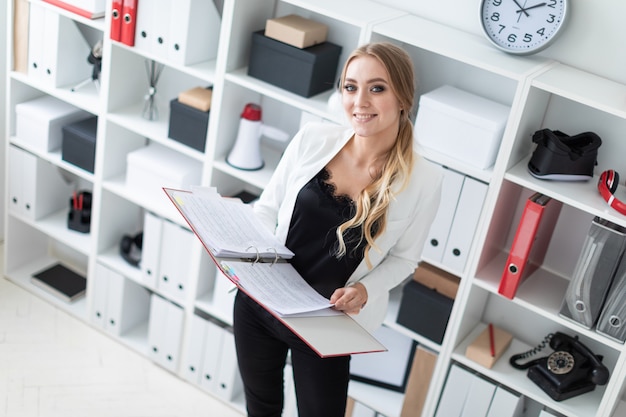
373 202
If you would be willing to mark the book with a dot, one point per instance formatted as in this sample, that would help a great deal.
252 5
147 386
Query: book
530 243
61 281
253 259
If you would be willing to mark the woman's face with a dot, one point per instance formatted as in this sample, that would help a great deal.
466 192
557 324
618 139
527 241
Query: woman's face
368 100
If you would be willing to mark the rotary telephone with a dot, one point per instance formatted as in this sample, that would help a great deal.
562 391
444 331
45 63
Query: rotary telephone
572 369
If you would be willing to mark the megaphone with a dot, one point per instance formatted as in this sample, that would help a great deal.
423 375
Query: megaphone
246 154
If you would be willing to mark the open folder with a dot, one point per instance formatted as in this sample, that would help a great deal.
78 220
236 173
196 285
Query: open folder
258 264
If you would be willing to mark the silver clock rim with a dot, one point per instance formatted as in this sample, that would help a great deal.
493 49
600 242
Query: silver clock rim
531 51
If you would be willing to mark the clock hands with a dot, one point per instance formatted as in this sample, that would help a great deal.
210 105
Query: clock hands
524 10
521 8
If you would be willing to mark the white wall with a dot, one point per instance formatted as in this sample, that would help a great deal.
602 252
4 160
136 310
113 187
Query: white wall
594 39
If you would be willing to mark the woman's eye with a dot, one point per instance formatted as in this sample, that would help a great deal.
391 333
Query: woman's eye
349 87
378 89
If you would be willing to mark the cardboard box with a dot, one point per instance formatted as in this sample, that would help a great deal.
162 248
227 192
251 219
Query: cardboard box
480 349
40 121
418 302
461 125
305 72
296 31
188 125
417 386
437 279
155 166
79 143
198 97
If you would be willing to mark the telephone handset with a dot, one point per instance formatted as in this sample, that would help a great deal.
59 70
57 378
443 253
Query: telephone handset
572 369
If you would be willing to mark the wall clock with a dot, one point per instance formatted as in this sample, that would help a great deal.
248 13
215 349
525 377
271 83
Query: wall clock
523 26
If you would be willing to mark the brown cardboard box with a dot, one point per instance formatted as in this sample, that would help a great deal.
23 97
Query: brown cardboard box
197 97
434 278
296 31
418 383
480 349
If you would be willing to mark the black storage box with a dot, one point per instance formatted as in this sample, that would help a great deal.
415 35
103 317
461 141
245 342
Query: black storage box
305 72
79 143
424 311
188 125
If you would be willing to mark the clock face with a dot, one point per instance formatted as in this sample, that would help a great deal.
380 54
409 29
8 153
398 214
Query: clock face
522 26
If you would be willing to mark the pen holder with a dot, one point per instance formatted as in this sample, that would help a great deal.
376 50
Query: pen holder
79 216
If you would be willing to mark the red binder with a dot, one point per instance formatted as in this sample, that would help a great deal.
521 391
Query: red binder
129 21
116 20
530 242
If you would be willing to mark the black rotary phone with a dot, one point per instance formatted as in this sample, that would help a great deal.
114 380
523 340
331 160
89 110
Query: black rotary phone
572 369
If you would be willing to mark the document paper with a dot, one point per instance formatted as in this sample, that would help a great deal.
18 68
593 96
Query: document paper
277 286
227 227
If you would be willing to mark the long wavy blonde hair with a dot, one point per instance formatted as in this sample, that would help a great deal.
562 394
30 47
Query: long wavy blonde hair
373 201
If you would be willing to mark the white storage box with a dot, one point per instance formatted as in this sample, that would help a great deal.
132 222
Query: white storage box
39 121
461 125
155 166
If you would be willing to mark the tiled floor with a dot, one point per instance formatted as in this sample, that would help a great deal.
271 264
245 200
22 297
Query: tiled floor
52 364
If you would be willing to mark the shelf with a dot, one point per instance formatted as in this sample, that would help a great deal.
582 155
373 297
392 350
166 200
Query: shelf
54 157
22 277
86 98
386 402
395 298
157 130
366 13
152 200
317 105
112 259
483 175
258 178
542 293
588 89
98 24
583 195
584 405
205 304
202 70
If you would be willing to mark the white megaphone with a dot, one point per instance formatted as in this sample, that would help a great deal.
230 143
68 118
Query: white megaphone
246 154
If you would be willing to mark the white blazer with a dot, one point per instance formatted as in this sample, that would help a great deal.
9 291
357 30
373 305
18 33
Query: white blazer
408 222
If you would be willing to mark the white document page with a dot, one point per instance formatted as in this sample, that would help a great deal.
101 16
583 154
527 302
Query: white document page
278 286
227 227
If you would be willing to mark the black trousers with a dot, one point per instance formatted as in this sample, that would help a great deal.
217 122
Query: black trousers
262 344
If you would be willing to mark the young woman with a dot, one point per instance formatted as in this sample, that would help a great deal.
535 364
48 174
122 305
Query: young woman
355 205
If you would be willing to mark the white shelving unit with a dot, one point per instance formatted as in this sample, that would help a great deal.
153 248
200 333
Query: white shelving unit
540 93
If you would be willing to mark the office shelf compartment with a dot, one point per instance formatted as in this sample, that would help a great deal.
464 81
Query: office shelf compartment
122 217
33 250
275 113
128 104
528 330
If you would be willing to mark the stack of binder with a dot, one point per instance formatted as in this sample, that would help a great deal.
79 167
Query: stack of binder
612 321
598 261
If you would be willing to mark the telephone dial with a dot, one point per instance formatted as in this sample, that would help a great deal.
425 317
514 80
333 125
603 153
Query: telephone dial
572 369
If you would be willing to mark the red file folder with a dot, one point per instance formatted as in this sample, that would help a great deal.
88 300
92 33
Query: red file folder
116 20
129 21
530 242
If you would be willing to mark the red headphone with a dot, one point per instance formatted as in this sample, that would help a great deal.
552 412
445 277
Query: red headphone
607 185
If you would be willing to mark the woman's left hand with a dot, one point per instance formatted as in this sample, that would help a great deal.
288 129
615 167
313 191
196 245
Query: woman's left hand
350 299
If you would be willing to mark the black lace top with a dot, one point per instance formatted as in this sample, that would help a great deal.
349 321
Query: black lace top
316 215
